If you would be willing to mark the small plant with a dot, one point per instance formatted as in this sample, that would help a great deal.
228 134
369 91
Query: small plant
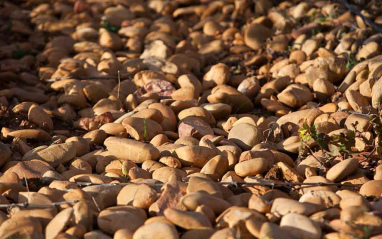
341 144
334 145
237 70
342 35
123 169
307 133
315 31
352 60
108 26
242 105
311 18
319 46
368 230
9 27
304 133
19 53
322 19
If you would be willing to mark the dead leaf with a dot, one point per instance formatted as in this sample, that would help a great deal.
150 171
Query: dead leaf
170 197
94 123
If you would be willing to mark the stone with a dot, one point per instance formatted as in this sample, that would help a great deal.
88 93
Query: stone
255 35
186 219
342 169
5 153
371 188
245 135
54 155
300 226
284 206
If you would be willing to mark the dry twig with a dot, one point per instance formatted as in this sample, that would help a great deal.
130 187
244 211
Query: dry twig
31 205
87 78
269 183
357 12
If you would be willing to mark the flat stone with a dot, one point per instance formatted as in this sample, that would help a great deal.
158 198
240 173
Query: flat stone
342 169
300 226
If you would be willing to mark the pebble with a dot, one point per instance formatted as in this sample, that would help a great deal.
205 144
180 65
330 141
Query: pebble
156 117
187 219
300 226
342 169
283 206
245 135
255 35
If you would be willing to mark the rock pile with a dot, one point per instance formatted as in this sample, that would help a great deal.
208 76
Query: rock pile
190 119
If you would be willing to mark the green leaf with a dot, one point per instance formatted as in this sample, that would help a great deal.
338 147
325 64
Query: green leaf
304 133
242 105
321 20
9 27
311 19
19 53
144 129
108 26
124 170
342 35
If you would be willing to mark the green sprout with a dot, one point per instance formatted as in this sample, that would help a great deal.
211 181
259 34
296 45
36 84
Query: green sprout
144 129
311 19
124 171
108 26
237 70
315 31
334 145
321 20
19 53
9 27
307 133
352 60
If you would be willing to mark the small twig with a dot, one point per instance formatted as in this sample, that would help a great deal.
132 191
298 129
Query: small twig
269 131
368 156
290 184
357 12
85 184
28 205
96 204
26 184
264 183
314 156
85 78
119 84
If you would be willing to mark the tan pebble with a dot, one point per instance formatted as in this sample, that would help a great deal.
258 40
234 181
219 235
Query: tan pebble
342 169
251 167
283 206
156 230
187 219
37 115
300 226
371 188
245 135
